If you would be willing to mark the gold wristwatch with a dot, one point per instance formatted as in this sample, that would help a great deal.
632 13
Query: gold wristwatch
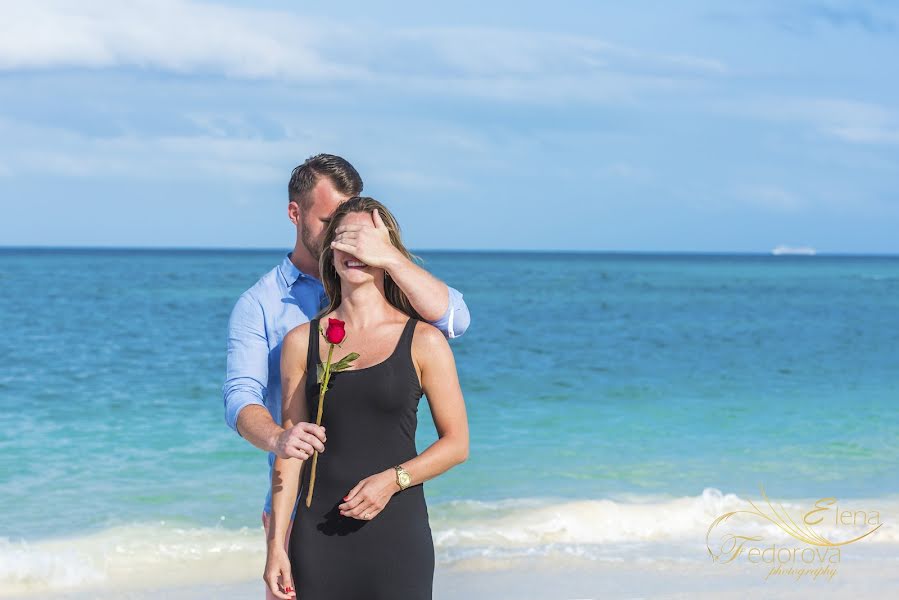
403 479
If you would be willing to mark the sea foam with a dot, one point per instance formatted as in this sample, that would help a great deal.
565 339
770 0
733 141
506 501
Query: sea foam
476 534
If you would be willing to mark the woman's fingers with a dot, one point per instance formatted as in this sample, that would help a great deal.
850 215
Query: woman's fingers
353 497
277 573
287 579
356 510
371 511
359 512
359 506
349 507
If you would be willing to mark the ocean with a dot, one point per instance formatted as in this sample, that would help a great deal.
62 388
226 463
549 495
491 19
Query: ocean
615 401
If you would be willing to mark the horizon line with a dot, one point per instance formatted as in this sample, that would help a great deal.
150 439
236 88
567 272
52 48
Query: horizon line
459 250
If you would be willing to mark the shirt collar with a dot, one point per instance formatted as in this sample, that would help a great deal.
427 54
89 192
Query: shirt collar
291 273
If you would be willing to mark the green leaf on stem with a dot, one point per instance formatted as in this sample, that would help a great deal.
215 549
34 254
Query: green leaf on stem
344 362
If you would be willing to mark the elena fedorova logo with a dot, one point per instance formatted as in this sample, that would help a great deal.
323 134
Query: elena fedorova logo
817 535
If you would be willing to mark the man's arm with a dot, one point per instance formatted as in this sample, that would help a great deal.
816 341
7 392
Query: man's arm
436 302
245 388
256 425
439 304
246 375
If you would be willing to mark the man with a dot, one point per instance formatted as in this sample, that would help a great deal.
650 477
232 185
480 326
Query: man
291 294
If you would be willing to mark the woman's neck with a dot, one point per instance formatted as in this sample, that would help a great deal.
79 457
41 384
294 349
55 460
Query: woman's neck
363 305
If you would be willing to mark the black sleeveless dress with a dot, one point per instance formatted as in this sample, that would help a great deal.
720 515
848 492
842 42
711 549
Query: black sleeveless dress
371 416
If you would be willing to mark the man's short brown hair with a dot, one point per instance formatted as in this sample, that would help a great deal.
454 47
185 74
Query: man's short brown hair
343 176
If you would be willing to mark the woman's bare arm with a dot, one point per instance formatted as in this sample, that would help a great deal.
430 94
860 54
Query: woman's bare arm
286 472
434 362
440 383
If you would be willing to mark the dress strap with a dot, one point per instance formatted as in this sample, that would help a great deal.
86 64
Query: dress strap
312 350
408 331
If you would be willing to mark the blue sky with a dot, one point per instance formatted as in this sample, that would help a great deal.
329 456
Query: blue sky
689 126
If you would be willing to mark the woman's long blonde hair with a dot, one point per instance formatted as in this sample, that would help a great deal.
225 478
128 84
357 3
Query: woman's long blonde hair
328 273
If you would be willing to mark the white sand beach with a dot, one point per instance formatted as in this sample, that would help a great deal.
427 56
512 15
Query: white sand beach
863 574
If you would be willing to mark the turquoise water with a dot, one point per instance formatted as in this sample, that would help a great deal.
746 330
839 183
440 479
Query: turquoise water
586 376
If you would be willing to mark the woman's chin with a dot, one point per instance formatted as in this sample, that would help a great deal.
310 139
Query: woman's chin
356 275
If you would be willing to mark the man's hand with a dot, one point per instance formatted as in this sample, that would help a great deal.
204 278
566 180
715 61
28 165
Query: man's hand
369 244
300 441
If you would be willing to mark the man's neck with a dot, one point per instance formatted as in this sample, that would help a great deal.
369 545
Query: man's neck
304 261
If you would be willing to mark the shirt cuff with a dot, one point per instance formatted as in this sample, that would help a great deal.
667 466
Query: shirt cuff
236 402
455 320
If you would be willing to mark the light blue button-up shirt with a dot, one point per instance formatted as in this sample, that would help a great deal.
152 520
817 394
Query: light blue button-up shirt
281 300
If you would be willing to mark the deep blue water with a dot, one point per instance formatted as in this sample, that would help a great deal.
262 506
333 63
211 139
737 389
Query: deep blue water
585 376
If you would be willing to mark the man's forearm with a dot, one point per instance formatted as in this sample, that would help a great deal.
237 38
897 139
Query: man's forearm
255 424
428 295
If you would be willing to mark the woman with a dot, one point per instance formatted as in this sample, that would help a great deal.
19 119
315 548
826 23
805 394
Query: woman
366 534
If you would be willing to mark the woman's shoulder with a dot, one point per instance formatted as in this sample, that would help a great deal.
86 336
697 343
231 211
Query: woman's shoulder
427 338
300 333
296 342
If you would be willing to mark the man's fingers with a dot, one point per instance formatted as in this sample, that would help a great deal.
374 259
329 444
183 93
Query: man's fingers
308 443
314 442
316 430
345 247
294 452
305 439
302 450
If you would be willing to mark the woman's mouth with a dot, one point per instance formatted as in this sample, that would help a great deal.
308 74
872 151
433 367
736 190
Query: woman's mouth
354 264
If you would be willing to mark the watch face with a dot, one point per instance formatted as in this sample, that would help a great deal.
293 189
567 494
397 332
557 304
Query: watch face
405 479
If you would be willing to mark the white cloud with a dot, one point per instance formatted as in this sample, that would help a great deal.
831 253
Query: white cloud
848 120
489 52
772 197
421 158
187 37
868 135
170 35
30 149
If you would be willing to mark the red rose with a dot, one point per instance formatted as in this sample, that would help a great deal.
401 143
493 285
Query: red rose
335 332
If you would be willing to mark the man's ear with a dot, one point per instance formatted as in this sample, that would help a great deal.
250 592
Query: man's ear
293 212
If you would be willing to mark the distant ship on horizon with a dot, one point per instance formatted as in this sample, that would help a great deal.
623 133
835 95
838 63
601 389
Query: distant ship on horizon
793 251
